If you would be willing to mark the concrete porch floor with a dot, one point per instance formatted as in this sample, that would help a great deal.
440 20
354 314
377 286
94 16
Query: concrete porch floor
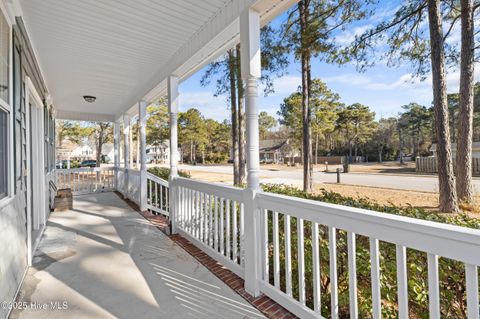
103 260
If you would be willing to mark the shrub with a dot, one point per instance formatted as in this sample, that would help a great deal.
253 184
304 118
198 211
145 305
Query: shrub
164 172
452 273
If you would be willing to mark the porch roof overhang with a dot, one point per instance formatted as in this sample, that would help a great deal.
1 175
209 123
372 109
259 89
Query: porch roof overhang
122 51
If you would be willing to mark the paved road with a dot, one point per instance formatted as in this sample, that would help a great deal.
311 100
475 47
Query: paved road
290 176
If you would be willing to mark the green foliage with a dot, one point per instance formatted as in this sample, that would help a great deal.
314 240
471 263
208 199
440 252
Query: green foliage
164 172
265 122
192 133
452 274
202 137
157 127
357 123
70 130
324 105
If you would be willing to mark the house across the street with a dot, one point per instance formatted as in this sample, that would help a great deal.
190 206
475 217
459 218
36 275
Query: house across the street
276 151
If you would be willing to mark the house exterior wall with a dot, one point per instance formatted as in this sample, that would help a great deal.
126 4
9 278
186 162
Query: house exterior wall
13 261
13 211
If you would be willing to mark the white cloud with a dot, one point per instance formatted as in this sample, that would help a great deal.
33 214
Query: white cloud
209 105
405 81
346 37
285 85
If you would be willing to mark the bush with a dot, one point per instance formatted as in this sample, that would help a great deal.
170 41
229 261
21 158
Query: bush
164 172
452 273
74 164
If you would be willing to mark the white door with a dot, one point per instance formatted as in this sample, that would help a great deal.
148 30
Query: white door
36 212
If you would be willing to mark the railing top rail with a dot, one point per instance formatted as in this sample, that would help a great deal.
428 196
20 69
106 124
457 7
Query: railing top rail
450 241
84 169
157 179
220 190
132 171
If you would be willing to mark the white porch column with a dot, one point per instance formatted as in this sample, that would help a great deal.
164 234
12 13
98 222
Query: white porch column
116 150
142 140
250 66
126 153
173 116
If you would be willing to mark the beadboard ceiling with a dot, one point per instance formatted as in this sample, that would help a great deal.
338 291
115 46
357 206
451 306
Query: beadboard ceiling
122 50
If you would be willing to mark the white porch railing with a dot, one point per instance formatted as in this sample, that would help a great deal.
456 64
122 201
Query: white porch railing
133 190
157 195
86 180
211 217
298 238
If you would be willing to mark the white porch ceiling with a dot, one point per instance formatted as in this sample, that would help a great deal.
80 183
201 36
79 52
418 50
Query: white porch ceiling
122 50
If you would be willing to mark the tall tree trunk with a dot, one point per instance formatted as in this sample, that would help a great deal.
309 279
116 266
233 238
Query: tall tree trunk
446 177
191 151
99 148
350 151
241 121
233 108
465 114
316 149
306 116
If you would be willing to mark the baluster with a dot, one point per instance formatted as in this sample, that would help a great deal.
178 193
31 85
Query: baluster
161 196
402 282
301 261
200 211
190 213
235 233
288 256
197 215
471 276
156 195
433 286
266 267
184 207
352 274
205 217
150 191
210 215
316 269
375 274
242 235
332 239
215 221
167 202
276 251
227 230
221 232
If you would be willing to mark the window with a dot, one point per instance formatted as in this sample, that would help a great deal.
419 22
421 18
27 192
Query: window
4 56
3 153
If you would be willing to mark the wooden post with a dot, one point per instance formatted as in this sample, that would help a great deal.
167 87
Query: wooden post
250 66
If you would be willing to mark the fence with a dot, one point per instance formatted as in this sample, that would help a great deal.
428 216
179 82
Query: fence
429 165
86 180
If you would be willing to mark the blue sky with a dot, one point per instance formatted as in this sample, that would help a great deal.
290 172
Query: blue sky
382 88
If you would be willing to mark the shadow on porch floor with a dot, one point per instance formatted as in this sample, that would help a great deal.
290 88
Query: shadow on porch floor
104 260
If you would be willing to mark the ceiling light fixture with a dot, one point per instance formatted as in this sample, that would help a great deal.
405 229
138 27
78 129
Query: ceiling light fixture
89 98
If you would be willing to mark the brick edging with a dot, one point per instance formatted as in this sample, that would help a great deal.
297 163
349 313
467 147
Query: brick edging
264 304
